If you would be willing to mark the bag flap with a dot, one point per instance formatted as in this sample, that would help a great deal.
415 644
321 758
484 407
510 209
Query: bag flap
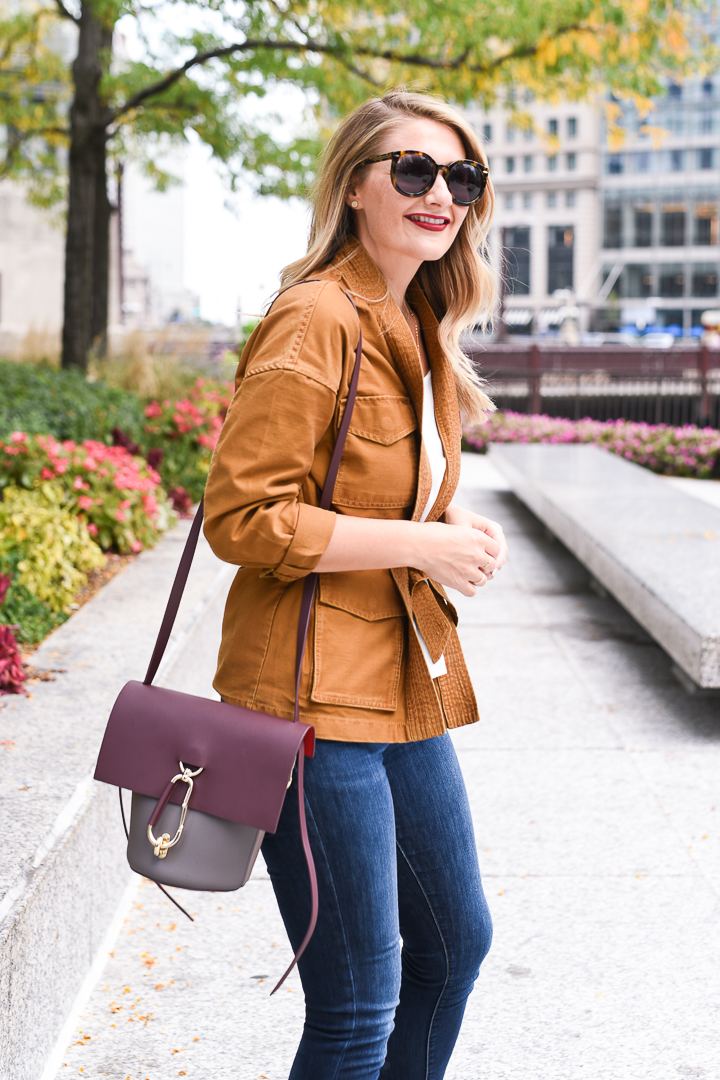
246 756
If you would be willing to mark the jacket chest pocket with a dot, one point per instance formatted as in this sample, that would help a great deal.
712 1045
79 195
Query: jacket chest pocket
379 466
359 640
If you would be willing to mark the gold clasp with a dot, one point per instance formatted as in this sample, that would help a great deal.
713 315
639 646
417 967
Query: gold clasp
164 843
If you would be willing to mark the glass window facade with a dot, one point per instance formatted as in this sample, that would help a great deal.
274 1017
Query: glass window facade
635 281
560 257
487 132
671 280
642 225
517 260
528 163
552 127
665 218
704 279
572 127
510 164
676 161
705 224
552 162
612 233
672 224
572 161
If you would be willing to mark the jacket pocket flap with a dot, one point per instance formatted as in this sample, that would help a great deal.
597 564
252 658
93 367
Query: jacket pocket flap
383 418
369 594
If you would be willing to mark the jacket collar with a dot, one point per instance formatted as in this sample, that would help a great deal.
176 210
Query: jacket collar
365 281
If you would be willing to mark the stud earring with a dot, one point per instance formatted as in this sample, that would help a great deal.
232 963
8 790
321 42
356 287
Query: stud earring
354 205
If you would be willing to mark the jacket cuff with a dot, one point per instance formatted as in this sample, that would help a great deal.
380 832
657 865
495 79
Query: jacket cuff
313 530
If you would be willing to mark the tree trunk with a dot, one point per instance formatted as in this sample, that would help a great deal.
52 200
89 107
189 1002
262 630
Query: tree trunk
87 213
101 258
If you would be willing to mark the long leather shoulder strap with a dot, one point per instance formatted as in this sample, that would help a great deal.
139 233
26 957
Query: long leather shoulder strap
310 584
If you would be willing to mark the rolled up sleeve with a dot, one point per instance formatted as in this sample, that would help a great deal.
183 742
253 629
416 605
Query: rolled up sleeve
261 497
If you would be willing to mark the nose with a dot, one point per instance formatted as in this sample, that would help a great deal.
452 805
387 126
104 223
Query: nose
439 193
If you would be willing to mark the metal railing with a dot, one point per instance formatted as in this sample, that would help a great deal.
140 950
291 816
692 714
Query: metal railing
657 386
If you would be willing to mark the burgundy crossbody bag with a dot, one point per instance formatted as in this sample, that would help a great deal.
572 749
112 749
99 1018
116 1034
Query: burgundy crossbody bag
209 779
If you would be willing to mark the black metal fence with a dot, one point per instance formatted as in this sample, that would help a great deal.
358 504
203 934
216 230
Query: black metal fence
674 386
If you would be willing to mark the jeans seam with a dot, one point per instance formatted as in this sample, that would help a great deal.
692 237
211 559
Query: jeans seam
342 924
447 960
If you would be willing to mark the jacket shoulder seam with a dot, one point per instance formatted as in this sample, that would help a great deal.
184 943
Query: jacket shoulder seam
294 368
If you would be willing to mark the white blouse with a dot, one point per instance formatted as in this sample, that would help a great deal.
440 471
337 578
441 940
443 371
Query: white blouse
438 467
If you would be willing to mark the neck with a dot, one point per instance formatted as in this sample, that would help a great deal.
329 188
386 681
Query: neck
397 269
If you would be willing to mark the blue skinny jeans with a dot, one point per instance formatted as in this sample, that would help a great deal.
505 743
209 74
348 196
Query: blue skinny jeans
403 924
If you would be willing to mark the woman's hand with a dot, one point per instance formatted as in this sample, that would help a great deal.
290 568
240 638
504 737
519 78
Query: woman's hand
458 515
462 552
463 556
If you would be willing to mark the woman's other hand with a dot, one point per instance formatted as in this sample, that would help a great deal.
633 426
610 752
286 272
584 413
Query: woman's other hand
463 556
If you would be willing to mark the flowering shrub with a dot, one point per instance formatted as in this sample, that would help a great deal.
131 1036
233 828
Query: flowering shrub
187 431
12 675
673 451
115 493
55 547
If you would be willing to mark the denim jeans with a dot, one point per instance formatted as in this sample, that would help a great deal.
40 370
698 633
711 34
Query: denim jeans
403 924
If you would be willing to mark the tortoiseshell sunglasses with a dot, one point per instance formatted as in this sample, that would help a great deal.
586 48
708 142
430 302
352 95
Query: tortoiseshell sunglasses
413 173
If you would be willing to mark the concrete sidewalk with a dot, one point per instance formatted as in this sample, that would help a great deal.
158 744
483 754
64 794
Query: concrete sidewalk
594 781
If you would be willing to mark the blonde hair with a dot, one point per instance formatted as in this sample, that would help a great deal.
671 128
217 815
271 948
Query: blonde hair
459 287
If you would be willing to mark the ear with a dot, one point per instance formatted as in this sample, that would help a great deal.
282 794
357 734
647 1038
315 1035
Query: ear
351 194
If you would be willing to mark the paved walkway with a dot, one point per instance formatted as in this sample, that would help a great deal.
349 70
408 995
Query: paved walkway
595 786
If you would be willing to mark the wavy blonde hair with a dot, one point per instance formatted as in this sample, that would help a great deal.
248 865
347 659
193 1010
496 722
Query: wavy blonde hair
459 286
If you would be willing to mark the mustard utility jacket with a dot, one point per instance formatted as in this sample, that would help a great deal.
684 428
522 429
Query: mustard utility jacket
364 677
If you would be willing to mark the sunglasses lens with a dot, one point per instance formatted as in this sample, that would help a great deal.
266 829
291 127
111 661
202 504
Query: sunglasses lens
466 182
413 174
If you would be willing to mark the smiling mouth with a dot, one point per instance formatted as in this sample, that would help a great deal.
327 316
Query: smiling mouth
429 221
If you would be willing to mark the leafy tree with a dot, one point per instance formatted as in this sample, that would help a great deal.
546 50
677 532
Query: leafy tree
205 63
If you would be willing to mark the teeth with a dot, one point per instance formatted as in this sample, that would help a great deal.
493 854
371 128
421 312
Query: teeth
429 220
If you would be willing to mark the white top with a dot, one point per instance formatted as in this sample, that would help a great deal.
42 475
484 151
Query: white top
438 467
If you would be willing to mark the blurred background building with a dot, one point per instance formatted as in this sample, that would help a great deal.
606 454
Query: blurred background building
604 241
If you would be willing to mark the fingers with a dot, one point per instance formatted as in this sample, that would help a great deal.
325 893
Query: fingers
496 546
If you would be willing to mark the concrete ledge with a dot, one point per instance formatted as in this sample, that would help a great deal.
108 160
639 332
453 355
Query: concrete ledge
62 861
654 548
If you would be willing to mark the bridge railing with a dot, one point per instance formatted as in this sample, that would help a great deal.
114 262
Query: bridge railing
672 386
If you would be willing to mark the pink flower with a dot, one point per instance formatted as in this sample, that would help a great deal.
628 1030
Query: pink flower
92 529
136 546
18 436
153 409
120 515
85 502
124 504
46 474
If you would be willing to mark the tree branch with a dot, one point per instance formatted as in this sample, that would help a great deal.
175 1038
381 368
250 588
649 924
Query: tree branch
340 54
65 12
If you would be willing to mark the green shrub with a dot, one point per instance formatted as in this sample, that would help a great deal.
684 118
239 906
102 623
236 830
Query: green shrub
55 547
40 401
32 619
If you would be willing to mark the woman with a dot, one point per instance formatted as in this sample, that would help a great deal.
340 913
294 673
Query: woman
403 925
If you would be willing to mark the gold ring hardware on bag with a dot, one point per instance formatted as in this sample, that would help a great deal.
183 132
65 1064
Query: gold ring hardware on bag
163 845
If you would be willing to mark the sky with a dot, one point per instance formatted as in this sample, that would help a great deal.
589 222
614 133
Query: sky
234 256
231 255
